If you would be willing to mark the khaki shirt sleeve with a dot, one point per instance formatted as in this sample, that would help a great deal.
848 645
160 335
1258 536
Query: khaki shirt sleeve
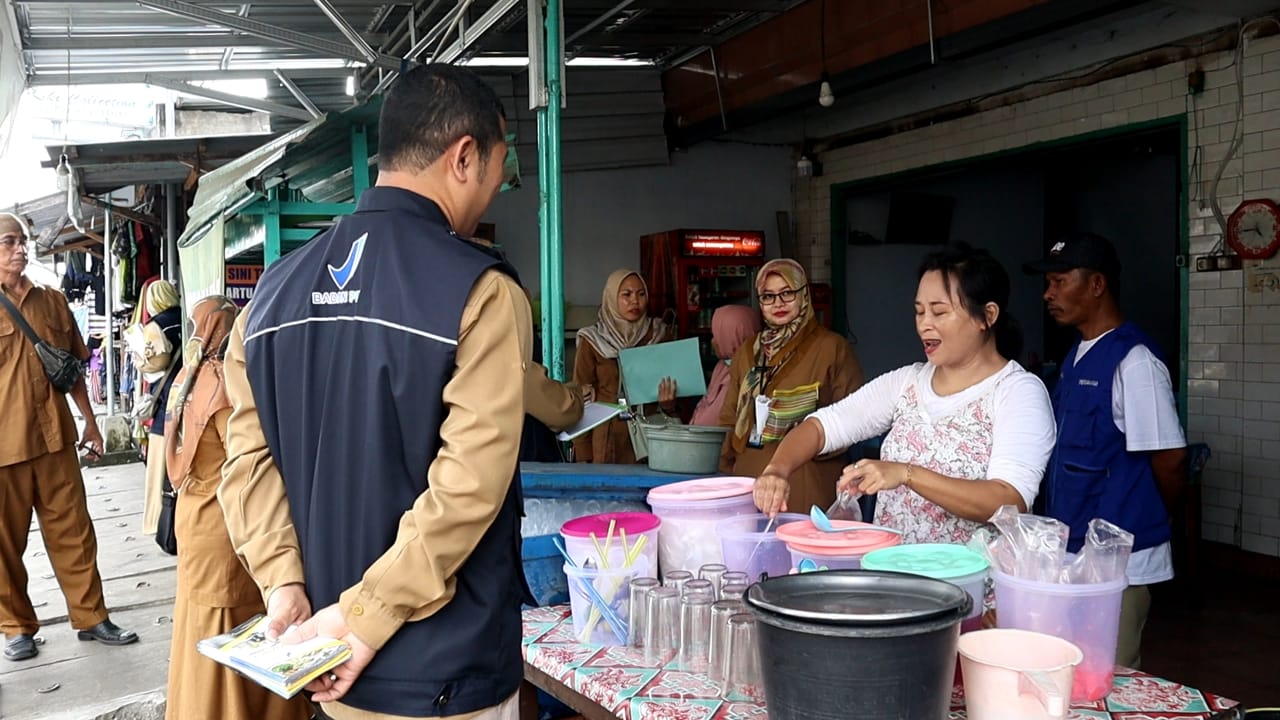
252 493
554 404
470 476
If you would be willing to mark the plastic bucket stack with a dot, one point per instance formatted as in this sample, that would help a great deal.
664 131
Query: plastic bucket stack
834 550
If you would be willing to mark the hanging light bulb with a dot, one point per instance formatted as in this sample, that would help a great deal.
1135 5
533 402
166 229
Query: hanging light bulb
826 98
64 172
804 167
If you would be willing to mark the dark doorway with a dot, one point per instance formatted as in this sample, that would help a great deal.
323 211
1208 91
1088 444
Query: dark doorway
1124 187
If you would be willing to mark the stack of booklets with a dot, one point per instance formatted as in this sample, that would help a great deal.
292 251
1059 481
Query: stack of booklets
282 669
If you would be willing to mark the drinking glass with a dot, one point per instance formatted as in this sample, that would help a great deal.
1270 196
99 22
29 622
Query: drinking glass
733 592
699 587
742 676
695 632
638 609
715 573
718 651
677 579
662 626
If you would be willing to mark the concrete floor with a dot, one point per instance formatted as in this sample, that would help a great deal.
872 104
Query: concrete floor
93 680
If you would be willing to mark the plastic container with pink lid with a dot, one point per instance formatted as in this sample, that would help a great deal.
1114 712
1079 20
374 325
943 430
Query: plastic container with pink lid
835 550
690 511
578 543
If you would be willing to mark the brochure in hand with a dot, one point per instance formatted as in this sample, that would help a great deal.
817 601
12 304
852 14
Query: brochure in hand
282 669
593 414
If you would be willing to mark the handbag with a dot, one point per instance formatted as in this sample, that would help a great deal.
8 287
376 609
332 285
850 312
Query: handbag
145 408
61 367
166 537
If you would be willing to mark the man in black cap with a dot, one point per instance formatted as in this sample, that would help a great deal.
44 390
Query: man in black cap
1121 453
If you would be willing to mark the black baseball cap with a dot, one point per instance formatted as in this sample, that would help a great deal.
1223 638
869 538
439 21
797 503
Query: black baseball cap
1078 250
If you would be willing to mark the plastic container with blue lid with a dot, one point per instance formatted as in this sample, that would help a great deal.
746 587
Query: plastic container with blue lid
955 564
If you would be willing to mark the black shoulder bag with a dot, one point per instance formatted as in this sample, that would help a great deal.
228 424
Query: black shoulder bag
61 367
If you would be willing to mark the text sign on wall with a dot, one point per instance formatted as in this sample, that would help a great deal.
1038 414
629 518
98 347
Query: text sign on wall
241 281
723 243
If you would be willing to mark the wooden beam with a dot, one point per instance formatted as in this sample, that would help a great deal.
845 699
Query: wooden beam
123 212
85 244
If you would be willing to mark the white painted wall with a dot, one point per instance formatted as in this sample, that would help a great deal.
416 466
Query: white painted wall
605 212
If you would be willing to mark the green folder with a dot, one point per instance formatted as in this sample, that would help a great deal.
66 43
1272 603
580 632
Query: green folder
644 367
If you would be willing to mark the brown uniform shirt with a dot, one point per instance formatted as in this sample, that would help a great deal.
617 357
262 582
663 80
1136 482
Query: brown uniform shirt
469 478
554 404
824 358
37 417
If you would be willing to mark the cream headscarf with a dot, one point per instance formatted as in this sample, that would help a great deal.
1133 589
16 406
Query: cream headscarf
774 346
161 295
612 332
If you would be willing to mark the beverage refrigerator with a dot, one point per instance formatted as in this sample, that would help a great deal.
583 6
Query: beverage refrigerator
690 273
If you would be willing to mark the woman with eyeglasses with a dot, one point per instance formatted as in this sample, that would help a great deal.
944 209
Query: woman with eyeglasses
787 371
969 430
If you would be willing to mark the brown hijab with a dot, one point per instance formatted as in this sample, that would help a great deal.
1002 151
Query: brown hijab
613 332
774 346
201 392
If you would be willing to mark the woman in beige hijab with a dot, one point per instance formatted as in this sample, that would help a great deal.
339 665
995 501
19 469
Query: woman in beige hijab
159 363
796 366
214 592
623 323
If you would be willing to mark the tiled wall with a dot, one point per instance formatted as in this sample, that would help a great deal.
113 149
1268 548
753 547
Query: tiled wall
1234 320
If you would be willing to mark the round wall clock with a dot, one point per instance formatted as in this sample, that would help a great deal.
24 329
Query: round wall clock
1253 230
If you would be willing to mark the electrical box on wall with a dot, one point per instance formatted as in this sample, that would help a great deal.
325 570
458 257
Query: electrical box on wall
1217 263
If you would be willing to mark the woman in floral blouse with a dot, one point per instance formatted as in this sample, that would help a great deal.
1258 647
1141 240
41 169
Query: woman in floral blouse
968 431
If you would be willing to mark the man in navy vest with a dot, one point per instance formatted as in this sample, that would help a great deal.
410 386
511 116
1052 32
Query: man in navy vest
372 445
1121 454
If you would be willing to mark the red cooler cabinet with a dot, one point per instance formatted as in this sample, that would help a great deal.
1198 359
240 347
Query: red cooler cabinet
690 273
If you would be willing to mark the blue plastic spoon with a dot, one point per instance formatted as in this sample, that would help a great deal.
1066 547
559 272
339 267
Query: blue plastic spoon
823 523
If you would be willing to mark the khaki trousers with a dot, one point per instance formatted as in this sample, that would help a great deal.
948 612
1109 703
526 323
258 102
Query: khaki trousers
1135 605
153 486
52 486
508 710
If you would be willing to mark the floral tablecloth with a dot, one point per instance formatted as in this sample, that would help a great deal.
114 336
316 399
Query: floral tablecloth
617 679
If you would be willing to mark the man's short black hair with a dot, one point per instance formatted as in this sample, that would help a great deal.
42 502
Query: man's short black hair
431 107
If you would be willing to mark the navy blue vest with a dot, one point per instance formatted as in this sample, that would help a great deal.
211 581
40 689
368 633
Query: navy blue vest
349 344
1091 474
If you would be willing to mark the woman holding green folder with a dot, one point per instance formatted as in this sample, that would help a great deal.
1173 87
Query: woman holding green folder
623 323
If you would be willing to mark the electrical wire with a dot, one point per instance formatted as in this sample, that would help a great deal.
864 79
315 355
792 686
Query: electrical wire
1237 130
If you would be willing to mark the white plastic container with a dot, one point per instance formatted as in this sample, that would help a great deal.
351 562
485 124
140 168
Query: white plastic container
690 511
612 587
1087 615
578 543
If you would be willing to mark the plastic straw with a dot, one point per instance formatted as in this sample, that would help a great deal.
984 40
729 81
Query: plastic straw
617 624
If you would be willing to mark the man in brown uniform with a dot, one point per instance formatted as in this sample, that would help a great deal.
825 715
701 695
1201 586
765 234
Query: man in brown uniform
38 465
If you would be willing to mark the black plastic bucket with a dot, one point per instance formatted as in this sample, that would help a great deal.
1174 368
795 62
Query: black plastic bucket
858 644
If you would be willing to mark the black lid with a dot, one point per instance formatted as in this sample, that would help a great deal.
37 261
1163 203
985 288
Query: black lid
859 597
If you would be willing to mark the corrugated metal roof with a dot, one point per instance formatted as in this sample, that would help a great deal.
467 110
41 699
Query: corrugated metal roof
243 180
111 41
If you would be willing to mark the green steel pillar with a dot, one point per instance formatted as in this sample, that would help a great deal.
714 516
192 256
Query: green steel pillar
550 218
272 245
359 160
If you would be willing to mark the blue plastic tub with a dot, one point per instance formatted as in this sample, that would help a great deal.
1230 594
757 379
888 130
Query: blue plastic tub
544 570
